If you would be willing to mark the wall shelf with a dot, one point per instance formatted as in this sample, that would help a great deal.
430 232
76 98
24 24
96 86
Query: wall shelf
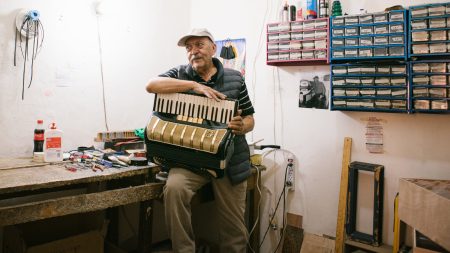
430 86
381 87
429 31
297 43
372 36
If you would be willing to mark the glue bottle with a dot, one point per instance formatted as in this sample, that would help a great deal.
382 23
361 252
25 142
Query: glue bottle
53 144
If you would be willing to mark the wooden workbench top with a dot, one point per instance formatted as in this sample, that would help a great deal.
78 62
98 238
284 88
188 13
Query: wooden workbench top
19 174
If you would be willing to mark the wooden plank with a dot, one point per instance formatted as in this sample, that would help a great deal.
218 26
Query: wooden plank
293 236
396 243
78 204
340 224
316 244
379 249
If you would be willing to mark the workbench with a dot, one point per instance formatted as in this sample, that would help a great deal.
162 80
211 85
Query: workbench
90 191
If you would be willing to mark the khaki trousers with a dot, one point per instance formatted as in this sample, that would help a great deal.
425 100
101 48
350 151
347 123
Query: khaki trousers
180 187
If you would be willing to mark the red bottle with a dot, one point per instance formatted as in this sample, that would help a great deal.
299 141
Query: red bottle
39 136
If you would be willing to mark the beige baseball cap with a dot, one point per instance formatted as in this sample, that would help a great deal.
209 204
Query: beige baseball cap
196 32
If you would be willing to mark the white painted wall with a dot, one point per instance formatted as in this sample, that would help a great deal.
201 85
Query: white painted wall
135 41
415 145
139 42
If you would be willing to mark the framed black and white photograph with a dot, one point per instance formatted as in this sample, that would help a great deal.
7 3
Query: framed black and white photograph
313 92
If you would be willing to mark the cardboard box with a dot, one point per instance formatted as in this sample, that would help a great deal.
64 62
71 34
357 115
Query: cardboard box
425 205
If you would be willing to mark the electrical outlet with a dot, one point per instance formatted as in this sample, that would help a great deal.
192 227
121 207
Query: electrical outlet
273 222
290 175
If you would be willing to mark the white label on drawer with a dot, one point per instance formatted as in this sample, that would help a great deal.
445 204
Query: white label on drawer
422 11
421 79
338 32
381 40
339 82
383 102
353 80
366 41
397 16
398 39
398 92
384 92
398 70
338 21
354 70
339 71
382 80
368 69
366 30
366 80
339 102
397 28
380 18
398 81
365 18
321 23
365 52
381 29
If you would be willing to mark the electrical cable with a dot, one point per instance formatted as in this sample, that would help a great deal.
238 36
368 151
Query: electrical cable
258 52
284 212
101 72
276 208
259 205
33 28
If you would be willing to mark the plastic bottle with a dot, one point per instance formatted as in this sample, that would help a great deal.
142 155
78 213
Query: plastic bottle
285 15
311 9
39 137
299 10
292 13
323 8
53 144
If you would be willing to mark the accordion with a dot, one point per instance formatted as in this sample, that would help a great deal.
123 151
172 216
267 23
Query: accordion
190 131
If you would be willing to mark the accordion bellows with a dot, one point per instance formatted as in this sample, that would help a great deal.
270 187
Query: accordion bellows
187 136
191 132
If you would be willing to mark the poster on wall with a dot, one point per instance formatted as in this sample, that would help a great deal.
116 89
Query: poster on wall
231 52
313 92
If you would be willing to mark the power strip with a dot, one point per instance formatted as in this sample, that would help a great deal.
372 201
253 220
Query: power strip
290 175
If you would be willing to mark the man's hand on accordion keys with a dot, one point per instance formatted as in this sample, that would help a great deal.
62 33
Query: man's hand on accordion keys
208 91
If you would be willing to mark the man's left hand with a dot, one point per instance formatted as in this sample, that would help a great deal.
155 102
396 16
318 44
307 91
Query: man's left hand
237 124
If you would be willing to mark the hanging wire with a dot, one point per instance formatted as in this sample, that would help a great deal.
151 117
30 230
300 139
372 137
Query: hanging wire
31 28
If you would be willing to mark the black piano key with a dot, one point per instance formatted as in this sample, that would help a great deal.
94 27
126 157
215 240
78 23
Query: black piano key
216 113
166 110
222 119
199 110
171 105
226 117
206 113
162 105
